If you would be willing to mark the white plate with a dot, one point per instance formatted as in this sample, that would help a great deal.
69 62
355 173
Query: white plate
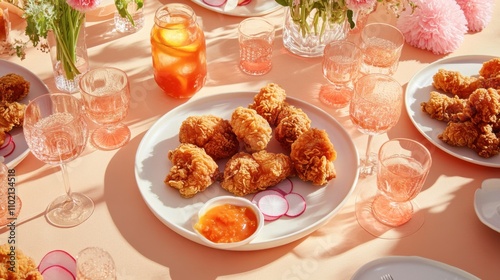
418 91
487 203
253 9
323 202
410 268
37 87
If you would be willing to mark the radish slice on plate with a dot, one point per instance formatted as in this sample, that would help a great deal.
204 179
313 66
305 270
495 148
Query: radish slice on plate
284 187
244 2
57 272
297 204
214 3
273 205
58 258
259 195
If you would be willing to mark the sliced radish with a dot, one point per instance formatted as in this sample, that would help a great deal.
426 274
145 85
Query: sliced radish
297 204
58 258
273 205
244 2
284 187
7 140
214 3
57 272
259 195
271 218
8 150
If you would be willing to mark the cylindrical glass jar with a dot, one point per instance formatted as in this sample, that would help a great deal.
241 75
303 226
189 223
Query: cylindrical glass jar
179 51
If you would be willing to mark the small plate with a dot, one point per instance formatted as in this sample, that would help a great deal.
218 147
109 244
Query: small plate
37 87
410 268
252 9
487 203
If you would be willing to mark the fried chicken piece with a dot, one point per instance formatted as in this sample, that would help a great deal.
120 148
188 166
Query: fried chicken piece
488 143
442 107
246 173
312 155
212 133
11 115
13 87
478 137
483 106
457 84
292 122
269 102
26 268
490 68
193 170
460 134
251 128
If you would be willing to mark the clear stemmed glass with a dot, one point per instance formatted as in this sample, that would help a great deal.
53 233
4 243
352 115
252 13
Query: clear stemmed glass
402 171
374 109
341 64
106 96
56 133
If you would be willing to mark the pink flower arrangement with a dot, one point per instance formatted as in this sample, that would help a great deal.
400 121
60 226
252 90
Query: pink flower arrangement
84 5
477 12
436 25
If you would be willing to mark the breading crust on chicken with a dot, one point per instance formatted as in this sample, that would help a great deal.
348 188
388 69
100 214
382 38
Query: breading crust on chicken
313 155
13 87
247 173
212 133
269 102
292 122
251 128
193 170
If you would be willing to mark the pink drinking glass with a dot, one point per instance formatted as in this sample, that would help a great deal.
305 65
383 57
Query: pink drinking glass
341 64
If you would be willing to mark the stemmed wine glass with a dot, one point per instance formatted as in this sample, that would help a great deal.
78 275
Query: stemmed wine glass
402 171
374 109
106 96
56 133
341 65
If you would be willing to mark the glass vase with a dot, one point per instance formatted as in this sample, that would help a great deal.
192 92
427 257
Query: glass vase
69 57
309 38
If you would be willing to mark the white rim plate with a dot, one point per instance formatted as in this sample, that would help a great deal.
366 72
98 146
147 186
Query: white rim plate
254 8
487 203
410 268
37 87
177 213
418 90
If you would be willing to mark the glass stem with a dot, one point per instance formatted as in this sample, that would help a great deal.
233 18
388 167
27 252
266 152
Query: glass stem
368 145
67 186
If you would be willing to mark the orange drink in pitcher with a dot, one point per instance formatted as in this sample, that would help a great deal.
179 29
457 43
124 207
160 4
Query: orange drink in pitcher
179 51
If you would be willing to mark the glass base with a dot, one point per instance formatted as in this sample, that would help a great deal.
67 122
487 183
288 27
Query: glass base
110 137
69 213
368 165
335 97
7 215
368 222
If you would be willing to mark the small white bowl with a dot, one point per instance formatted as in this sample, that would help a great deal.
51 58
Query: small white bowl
238 201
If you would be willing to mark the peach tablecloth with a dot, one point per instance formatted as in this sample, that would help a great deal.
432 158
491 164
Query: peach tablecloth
144 248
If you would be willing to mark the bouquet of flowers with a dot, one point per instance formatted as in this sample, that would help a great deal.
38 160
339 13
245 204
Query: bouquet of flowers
313 15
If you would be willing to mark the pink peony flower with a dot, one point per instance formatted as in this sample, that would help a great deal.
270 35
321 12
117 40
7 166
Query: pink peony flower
358 5
436 25
83 5
477 12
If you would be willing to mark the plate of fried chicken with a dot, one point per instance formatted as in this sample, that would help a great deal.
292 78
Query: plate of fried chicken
455 104
239 144
18 85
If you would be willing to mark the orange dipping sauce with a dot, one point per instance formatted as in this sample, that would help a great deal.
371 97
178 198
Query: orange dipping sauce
227 223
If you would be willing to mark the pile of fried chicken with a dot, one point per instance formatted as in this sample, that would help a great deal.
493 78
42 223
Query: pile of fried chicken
242 140
13 88
471 107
